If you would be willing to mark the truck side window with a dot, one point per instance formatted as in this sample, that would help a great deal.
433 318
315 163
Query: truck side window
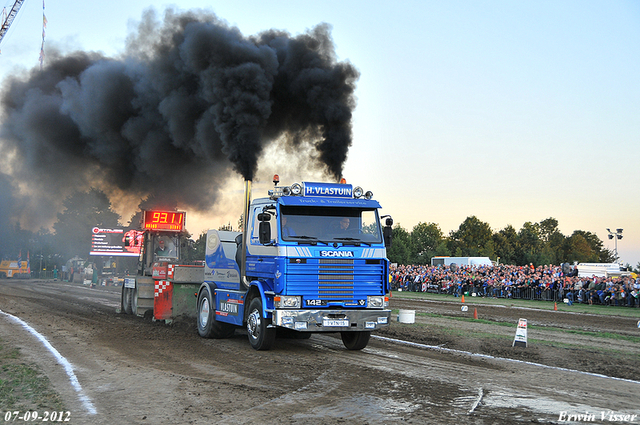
255 225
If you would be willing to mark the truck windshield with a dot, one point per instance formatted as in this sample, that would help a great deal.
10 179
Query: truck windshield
329 224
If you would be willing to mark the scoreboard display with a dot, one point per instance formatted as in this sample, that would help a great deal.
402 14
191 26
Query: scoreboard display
172 221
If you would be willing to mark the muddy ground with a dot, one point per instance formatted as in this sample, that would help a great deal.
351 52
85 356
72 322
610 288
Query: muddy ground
136 371
608 345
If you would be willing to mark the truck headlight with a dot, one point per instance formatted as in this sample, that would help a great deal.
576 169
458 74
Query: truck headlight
296 189
286 301
375 302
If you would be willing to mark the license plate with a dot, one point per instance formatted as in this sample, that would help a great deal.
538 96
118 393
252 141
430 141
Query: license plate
335 322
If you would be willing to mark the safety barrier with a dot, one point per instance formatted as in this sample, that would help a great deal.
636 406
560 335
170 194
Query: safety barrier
528 293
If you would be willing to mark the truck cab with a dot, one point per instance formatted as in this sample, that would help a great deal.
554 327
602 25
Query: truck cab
315 261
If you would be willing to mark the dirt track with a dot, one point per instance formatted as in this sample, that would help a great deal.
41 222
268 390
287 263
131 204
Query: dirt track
135 371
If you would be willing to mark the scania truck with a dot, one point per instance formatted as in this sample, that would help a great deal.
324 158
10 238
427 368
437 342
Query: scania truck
311 258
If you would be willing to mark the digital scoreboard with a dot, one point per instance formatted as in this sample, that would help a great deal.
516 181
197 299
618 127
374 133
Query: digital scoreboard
171 221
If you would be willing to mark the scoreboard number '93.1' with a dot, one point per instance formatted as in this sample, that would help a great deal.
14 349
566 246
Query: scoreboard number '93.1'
164 220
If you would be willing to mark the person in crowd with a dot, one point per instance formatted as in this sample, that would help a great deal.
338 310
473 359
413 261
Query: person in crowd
545 282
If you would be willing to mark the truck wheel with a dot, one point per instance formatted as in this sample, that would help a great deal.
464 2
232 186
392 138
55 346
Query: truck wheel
127 300
134 299
208 326
355 340
261 336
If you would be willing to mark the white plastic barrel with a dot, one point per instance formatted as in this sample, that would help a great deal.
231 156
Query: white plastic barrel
406 316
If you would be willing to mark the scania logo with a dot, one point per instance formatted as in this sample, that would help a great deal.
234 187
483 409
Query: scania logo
336 253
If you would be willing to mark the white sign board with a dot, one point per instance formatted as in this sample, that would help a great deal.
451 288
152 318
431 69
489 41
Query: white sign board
521 334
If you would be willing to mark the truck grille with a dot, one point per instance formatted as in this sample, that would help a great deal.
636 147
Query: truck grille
335 279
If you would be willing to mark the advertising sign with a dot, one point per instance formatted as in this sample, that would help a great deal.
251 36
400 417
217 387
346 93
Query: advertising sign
111 242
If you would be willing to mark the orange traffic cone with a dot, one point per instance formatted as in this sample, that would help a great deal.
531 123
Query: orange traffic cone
475 313
462 297
555 306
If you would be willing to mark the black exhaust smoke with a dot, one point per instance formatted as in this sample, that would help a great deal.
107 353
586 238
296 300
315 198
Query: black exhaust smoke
189 100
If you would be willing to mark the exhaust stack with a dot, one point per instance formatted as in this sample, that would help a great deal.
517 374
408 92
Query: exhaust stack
245 232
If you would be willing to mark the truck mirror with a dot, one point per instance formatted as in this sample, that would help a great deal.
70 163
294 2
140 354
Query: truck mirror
387 235
387 232
265 232
262 217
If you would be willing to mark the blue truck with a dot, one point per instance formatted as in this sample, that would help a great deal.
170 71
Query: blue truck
311 258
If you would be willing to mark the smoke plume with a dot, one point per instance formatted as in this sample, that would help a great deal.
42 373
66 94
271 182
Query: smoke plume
189 100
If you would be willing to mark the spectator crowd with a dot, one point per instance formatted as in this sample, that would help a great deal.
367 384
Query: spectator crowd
518 282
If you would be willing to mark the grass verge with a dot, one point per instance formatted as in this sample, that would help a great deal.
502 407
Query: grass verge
592 334
540 305
23 386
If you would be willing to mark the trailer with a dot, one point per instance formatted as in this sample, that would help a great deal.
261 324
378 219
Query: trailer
601 270
461 261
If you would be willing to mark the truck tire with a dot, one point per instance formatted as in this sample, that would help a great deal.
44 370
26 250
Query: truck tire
355 340
261 336
143 296
127 300
208 326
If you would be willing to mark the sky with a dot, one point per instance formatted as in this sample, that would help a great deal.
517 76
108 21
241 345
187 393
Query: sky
512 112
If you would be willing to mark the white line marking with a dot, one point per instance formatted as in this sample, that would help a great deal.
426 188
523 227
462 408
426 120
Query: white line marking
68 367
478 400
487 356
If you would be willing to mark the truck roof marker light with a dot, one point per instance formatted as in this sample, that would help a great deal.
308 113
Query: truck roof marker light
368 195
343 181
276 179
357 192
296 189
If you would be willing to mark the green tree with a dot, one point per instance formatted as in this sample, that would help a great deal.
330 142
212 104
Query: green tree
547 228
400 251
552 242
505 242
425 238
529 245
199 246
82 212
442 248
473 238
557 244
580 250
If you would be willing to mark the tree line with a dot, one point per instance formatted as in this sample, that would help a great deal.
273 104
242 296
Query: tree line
534 243
537 243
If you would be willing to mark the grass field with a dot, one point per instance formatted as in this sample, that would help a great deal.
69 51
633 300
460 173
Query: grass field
542 305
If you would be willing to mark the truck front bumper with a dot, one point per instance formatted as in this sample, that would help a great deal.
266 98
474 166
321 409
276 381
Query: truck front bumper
331 320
